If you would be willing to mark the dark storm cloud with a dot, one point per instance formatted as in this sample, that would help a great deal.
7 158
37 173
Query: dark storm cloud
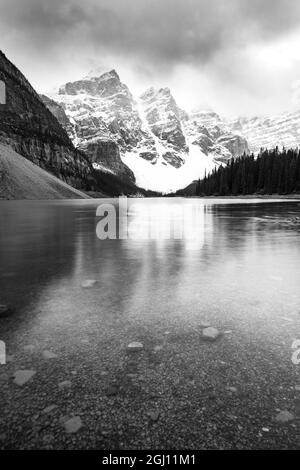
161 32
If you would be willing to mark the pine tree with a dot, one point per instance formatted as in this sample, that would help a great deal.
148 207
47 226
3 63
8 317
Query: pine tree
270 173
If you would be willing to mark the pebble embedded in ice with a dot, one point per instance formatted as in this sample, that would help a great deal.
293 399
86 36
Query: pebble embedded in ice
22 376
210 333
65 384
135 346
232 389
49 408
49 355
73 425
284 417
154 415
88 283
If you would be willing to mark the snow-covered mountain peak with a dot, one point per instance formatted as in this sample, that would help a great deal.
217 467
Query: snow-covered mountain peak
150 134
282 130
105 85
112 74
163 117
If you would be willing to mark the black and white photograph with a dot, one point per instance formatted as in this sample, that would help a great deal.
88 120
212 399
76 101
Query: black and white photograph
149 228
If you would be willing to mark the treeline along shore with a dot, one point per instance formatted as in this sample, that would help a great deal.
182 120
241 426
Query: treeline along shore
272 172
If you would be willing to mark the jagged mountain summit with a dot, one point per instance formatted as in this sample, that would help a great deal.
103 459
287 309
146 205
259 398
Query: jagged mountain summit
148 138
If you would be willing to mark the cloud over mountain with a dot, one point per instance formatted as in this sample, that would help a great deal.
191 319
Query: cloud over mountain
151 36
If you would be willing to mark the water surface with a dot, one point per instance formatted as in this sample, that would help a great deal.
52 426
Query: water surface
241 275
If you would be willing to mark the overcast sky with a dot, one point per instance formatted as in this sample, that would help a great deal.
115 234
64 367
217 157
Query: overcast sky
234 56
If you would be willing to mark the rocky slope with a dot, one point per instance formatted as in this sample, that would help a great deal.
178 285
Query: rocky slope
22 179
162 119
31 130
39 129
215 136
163 146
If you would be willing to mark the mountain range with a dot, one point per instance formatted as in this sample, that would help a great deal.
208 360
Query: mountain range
165 147
31 131
95 135
148 138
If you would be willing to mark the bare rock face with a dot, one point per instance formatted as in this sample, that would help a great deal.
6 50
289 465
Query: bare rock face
106 154
163 117
150 156
31 130
173 158
215 137
236 144
59 112
203 139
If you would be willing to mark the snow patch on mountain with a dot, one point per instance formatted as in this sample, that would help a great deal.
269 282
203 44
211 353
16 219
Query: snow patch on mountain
166 178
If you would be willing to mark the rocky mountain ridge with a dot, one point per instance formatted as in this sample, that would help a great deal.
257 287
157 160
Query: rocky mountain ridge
282 130
162 145
94 131
27 126
39 129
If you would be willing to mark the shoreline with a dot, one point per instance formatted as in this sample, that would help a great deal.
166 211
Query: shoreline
295 197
